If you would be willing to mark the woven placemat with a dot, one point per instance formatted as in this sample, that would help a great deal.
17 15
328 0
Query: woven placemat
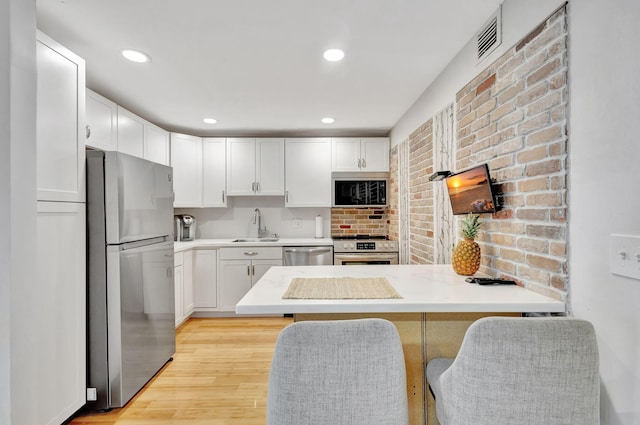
340 288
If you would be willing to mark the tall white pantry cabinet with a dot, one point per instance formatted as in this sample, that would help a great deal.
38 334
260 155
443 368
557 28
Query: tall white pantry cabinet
61 230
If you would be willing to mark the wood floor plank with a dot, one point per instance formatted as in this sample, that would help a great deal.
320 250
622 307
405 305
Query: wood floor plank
218 376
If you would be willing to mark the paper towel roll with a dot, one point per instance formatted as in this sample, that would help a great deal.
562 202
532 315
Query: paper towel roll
318 226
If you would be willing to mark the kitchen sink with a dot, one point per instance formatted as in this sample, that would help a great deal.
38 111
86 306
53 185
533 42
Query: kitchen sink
256 240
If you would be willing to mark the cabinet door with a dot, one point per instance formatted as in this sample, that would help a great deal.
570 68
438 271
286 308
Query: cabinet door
189 277
260 267
60 305
375 154
308 172
102 122
345 154
60 122
205 279
214 182
156 144
269 167
178 281
235 282
130 133
186 160
241 160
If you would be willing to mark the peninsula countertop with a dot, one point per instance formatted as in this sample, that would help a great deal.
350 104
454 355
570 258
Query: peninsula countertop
424 288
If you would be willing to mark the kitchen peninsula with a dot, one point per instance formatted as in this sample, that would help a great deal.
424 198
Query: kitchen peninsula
434 311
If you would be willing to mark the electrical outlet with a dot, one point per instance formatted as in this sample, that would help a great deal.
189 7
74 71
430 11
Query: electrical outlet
296 223
92 394
624 256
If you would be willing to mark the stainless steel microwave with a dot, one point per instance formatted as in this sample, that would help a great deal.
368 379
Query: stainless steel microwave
359 189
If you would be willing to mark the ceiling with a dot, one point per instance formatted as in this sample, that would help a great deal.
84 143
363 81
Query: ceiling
256 65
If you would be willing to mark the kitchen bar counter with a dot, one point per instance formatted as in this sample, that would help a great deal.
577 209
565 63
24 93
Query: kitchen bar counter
219 243
432 317
424 289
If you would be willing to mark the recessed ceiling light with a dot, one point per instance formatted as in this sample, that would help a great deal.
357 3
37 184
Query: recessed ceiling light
333 55
327 120
135 56
210 120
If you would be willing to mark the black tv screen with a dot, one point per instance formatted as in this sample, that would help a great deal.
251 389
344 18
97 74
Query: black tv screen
470 191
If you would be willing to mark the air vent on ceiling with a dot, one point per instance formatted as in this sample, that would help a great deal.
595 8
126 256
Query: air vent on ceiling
490 36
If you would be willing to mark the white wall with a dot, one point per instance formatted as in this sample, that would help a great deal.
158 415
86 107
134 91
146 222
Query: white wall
604 144
18 368
518 18
237 220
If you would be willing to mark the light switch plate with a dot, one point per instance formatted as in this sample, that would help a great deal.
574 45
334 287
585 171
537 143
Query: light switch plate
624 256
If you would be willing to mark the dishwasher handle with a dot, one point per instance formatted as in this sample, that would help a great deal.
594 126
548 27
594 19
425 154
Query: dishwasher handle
308 250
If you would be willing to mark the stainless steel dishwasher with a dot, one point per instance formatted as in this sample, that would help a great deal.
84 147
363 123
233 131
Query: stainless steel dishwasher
307 255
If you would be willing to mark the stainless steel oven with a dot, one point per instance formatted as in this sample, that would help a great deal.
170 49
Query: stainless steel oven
364 250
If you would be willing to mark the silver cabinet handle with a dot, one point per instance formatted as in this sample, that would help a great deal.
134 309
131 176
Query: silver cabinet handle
253 270
248 270
87 130
286 196
253 186
250 253
257 186
364 163
359 162
223 196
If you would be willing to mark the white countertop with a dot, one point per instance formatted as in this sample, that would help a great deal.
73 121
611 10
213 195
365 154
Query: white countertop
424 288
219 243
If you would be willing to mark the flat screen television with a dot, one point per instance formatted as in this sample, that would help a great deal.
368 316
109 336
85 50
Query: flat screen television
470 191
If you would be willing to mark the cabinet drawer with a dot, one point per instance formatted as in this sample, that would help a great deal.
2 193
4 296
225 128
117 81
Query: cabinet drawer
251 253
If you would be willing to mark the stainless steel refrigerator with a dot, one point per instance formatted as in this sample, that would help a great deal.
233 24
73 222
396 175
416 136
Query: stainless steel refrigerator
131 309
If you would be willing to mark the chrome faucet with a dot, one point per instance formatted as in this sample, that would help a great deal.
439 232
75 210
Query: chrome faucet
257 219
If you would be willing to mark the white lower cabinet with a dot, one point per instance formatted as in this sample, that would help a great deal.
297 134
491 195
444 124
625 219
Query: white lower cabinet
60 305
178 281
188 283
240 269
205 280
183 279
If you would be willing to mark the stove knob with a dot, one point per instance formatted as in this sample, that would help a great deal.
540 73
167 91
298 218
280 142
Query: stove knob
386 244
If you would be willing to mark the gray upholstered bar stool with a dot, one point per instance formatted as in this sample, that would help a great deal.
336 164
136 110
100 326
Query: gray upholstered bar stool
520 371
339 372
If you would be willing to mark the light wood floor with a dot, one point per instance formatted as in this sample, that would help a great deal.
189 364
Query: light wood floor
218 377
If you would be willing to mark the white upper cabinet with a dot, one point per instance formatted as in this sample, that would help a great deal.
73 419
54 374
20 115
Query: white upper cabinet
186 160
156 144
102 122
60 122
360 154
308 172
214 172
130 133
255 166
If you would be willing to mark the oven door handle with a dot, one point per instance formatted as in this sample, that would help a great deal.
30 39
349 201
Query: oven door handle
392 258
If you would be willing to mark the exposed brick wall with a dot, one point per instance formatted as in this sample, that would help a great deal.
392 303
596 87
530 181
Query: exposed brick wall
513 116
421 194
393 196
358 221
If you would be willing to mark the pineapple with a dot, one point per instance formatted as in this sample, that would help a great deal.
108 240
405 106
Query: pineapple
466 255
